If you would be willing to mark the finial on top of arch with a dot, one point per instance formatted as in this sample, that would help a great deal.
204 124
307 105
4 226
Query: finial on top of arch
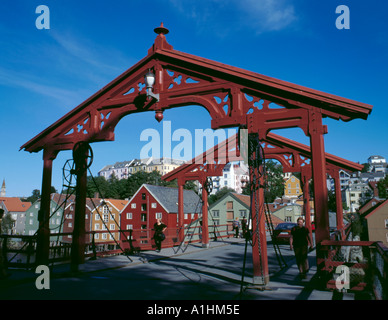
161 29
160 41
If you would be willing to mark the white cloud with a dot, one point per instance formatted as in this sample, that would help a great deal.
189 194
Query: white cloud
225 15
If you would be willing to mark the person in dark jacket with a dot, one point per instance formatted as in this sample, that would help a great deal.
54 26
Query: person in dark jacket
159 228
299 242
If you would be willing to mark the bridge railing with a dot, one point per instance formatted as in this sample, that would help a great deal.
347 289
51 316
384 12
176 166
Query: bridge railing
19 251
355 266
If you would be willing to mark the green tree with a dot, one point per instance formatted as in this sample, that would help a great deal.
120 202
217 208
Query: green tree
274 184
35 196
219 194
382 187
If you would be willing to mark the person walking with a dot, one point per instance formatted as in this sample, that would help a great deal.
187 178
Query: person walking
244 227
159 236
300 240
236 227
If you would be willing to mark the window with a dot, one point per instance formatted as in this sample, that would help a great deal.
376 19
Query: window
216 213
133 205
112 226
143 217
70 225
129 226
106 218
229 205
153 205
243 213
129 215
158 215
143 196
104 236
143 207
386 223
96 226
97 217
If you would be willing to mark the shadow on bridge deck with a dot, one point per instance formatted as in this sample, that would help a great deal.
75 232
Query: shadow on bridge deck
191 273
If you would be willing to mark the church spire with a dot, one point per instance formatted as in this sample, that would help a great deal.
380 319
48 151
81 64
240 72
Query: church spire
2 192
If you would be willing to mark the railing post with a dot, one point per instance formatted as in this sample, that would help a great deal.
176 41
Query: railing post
3 257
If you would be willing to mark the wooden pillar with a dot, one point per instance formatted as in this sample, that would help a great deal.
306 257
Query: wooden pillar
259 238
319 177
306 176
43 235
80 155
181 234
205 221
318 162
338 201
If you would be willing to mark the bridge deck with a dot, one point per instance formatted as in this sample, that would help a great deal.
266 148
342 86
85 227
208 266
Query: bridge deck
196 273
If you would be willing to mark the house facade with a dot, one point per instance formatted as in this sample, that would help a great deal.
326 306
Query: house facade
377 222
69 215
292 187
232 206
105 220
124 169
55 222
289 213
16 209
156 202
234 175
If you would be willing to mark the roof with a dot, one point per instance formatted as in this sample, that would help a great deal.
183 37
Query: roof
294 95
367 214
168 198
117 203
14 204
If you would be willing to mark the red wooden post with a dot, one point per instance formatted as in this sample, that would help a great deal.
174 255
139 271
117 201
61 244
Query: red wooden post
338 201
181 235
259 239
78 244
306 175
205 221
319 177
316 131
43 239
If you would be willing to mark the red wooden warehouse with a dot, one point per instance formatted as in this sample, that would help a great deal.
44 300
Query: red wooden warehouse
150 203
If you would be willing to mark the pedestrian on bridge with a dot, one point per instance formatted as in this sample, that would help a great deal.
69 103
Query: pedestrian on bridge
159 236
236 227
300 240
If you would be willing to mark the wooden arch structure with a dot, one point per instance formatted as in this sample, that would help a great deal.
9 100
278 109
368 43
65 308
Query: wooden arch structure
233 97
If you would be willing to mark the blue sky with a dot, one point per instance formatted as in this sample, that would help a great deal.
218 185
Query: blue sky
46 73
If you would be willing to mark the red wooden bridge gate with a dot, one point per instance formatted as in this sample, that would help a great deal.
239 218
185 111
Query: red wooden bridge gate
173 79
